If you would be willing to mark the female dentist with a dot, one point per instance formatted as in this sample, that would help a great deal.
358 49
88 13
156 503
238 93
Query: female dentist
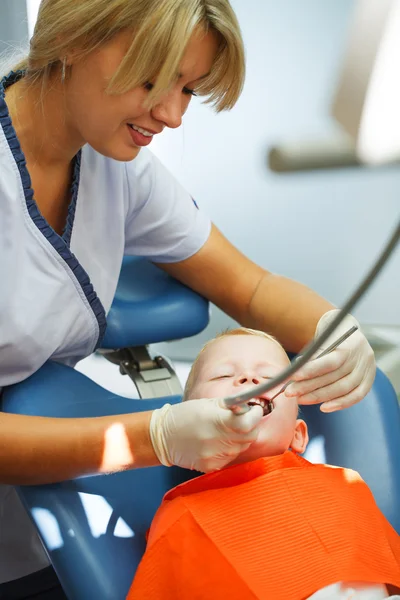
78 190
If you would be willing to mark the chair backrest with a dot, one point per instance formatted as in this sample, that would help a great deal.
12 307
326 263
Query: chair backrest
149 307
94 527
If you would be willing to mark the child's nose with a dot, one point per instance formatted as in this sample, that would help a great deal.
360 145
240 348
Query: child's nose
254 379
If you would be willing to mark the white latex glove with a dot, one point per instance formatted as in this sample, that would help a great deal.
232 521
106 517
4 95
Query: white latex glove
341 378
202 434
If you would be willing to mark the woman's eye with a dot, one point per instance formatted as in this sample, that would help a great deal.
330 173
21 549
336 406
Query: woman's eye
187 91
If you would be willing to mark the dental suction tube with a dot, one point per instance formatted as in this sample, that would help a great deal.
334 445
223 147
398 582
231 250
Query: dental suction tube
309 350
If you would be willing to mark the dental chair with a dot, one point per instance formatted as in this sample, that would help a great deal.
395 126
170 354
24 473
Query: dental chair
94 528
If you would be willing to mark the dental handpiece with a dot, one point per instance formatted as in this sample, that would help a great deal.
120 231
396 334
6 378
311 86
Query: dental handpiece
238 403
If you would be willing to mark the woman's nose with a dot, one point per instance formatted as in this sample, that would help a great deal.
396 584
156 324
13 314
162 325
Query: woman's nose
170 111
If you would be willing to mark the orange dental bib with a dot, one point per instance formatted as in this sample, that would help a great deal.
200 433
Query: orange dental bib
278 528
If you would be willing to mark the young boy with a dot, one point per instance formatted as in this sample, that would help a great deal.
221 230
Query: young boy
272 526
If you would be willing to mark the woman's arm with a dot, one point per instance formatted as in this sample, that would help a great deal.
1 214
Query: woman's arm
201 434
251 295
37 450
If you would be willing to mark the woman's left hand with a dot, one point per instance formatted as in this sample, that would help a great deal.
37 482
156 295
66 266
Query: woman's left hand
341 378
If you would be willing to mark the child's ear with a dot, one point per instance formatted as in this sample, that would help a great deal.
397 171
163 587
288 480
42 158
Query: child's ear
300 437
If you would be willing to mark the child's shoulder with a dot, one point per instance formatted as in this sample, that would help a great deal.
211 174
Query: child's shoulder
349 475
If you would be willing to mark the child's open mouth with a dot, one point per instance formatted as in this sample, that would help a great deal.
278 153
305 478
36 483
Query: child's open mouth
267 405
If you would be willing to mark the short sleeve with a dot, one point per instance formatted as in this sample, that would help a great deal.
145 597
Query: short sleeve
163 222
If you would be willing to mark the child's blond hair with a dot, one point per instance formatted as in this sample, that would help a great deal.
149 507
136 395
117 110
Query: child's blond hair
230 332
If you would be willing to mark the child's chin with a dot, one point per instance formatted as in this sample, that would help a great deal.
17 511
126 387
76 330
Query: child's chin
252 453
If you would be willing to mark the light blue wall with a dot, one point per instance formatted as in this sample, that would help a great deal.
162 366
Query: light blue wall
323 229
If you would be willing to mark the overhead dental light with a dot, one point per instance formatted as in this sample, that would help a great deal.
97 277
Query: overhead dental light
367 102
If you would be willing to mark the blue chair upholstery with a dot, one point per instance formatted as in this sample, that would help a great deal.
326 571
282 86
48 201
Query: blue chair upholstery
150 307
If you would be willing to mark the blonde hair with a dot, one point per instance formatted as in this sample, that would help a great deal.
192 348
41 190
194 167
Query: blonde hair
161 30
229 332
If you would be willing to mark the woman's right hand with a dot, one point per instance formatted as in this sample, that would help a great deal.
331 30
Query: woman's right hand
202 434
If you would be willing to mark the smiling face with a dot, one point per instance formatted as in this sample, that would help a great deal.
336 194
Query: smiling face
233 363
118 125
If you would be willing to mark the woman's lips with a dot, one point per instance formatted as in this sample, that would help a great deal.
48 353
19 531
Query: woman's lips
139 139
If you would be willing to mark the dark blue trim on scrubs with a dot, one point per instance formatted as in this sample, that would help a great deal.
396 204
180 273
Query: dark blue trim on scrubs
76 174
60 244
